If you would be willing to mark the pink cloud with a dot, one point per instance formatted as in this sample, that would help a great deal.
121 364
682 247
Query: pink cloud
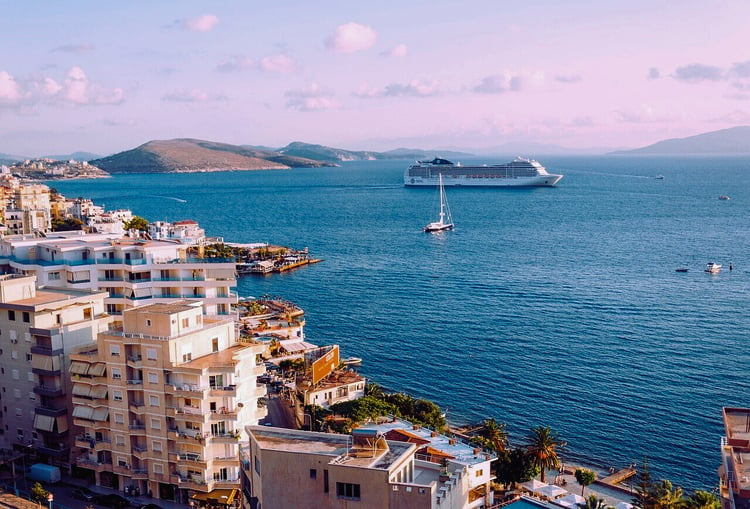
351 37
414 88
10 90
312 98
204 23
277 63
237 63
192 96
398 51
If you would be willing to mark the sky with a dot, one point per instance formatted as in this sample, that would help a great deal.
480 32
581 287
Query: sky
104 77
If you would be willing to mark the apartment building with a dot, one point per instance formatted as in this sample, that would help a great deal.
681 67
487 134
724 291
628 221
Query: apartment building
38 328
29 209
164 402
734 472
394 465
133 271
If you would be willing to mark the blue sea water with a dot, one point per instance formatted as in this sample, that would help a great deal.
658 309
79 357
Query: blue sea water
556 306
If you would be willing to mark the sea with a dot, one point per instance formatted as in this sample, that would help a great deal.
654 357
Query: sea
558 307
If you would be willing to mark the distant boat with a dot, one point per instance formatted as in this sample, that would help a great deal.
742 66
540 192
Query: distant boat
681 269
352 361
659 177
724 197
713 267
446 221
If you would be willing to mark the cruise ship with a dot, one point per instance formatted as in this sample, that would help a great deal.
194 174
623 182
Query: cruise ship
519 172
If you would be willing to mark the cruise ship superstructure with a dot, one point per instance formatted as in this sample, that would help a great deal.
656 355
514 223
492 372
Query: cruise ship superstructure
519 172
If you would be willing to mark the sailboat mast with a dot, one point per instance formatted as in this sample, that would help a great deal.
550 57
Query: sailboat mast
442 200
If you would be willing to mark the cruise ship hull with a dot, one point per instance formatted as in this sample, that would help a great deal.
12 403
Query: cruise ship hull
487 181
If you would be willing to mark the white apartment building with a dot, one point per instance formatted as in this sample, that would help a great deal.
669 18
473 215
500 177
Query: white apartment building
396 466
29 209
164 403
133 271
38 328
186 231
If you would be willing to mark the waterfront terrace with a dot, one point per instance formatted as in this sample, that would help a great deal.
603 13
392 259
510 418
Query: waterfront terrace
734 472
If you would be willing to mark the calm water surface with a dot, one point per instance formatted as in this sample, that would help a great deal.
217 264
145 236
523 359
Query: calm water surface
555 307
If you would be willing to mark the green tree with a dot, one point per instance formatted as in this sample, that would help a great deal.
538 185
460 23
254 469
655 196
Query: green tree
702 500
375 390
515 466
585 477
543 444
38 493
137 223
362 409
494 434
643 492
594 502
67 224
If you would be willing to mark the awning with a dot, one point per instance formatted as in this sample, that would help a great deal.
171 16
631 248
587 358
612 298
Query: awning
83 412
99 391
100 414
97 369
223 497
62 424
83 390
79 368
44 422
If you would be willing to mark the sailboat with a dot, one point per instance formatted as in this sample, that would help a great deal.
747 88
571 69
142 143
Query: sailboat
446 221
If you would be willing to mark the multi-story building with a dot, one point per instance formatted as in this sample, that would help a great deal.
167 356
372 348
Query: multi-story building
164 403
394 465
734 472
29 209
133 271
186 231
38 328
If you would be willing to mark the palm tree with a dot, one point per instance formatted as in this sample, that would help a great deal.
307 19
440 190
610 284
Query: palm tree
542 445
665 496
702 500
495 435
594 502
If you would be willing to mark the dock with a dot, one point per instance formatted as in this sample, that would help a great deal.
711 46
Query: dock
294 265
619 476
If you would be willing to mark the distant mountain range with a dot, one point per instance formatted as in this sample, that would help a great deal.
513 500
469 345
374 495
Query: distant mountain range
735 140
190 155
323 153
76 156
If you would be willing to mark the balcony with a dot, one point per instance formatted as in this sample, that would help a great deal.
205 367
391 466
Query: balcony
57 452
189 482
85 462
223 414
223 438
227 461
45 350
134 361
52 412
137 407
46 372
139 473
230 391
48 390
121 469
191 460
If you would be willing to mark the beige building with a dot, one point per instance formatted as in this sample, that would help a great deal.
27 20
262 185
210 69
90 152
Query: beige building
38 329
417 469
29 209
164 403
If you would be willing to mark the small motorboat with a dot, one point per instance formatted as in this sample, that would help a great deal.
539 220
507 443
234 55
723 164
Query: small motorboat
659 177
681 269
724 197
351 361
713 267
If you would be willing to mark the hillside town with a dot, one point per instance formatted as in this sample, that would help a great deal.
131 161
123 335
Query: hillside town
131 366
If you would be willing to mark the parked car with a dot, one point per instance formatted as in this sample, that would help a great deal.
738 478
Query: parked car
113 500
83 494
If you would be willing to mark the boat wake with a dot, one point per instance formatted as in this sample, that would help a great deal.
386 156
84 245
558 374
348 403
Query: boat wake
166 198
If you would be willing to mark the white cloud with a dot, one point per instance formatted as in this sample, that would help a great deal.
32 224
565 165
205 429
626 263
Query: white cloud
10 90
398 51
312 98
573 78
277 63
204 23
77 89
642 115
351 37
192 96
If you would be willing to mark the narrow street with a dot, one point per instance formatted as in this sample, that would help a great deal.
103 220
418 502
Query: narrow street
280 413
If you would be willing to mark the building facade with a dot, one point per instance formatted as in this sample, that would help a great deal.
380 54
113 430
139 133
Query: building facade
38 329
164 402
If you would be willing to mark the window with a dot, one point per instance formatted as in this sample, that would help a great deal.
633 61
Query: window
151 354
214 344
54 276
156 446
185 322
122 462
30 376
325 480
479 472
114 350
120 440
19 412
119 419
16 375
116 373
187 357
313 473
155 424
19 432
257 465
17 393
148 322
11 315
347 490
158 468
153 400
87 314
153 378
28 357
117 395
13 354
26 317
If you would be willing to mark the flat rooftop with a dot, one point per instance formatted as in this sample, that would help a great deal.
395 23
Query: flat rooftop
339 447
461 452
